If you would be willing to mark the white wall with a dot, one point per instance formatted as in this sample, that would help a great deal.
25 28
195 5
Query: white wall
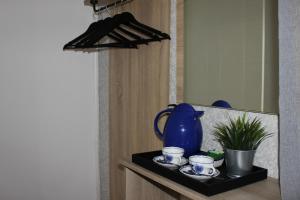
48 103
289 97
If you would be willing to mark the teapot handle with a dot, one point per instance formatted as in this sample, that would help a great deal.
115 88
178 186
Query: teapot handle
199 114
158 116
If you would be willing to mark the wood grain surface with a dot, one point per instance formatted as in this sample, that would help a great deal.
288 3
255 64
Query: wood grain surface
263 190
138 188
180 50
138 89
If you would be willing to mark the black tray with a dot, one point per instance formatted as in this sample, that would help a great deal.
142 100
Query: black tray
213 186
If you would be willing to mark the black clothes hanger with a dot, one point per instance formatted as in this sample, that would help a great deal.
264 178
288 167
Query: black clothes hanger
114 23
128 17
79 41
119 28
97 29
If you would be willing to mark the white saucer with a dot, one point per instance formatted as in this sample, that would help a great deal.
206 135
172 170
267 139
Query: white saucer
187 170
161 161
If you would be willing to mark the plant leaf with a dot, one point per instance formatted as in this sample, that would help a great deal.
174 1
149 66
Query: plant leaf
241 133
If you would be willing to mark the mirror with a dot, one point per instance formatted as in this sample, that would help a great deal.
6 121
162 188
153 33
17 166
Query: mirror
231 53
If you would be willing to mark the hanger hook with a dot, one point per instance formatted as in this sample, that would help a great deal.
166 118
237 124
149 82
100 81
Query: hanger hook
121 4
115 8
94 3
106 9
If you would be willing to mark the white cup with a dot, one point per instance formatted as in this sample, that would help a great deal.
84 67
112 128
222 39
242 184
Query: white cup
173 155
203 165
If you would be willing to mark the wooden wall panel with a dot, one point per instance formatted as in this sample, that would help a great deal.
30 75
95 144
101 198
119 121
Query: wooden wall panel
138 188
139 88
180 50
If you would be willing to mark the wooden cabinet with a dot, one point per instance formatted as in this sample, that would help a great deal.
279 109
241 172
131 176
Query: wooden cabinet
142 184
138 89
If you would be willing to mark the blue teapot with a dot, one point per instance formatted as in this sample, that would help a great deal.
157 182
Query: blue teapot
182 128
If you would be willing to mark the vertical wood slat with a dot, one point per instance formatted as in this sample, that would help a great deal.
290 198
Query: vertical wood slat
180 50
138 188
138 89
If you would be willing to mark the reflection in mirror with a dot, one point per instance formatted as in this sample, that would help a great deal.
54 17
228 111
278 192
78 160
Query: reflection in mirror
231 53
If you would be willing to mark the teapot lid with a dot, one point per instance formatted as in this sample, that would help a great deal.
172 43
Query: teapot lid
184 107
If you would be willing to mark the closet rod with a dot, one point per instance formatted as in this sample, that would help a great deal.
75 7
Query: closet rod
116 3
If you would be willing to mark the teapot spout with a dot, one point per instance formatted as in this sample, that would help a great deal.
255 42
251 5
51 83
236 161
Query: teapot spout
199 114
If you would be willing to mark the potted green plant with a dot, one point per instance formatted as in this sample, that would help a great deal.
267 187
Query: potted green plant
240 138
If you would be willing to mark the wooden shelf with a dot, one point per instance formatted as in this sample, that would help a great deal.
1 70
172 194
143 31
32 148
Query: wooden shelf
143 184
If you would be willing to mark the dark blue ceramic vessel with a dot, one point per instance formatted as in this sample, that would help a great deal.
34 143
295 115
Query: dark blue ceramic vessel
182 128
222 104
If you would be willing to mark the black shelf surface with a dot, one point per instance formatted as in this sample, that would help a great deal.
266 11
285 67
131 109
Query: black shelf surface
211 187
